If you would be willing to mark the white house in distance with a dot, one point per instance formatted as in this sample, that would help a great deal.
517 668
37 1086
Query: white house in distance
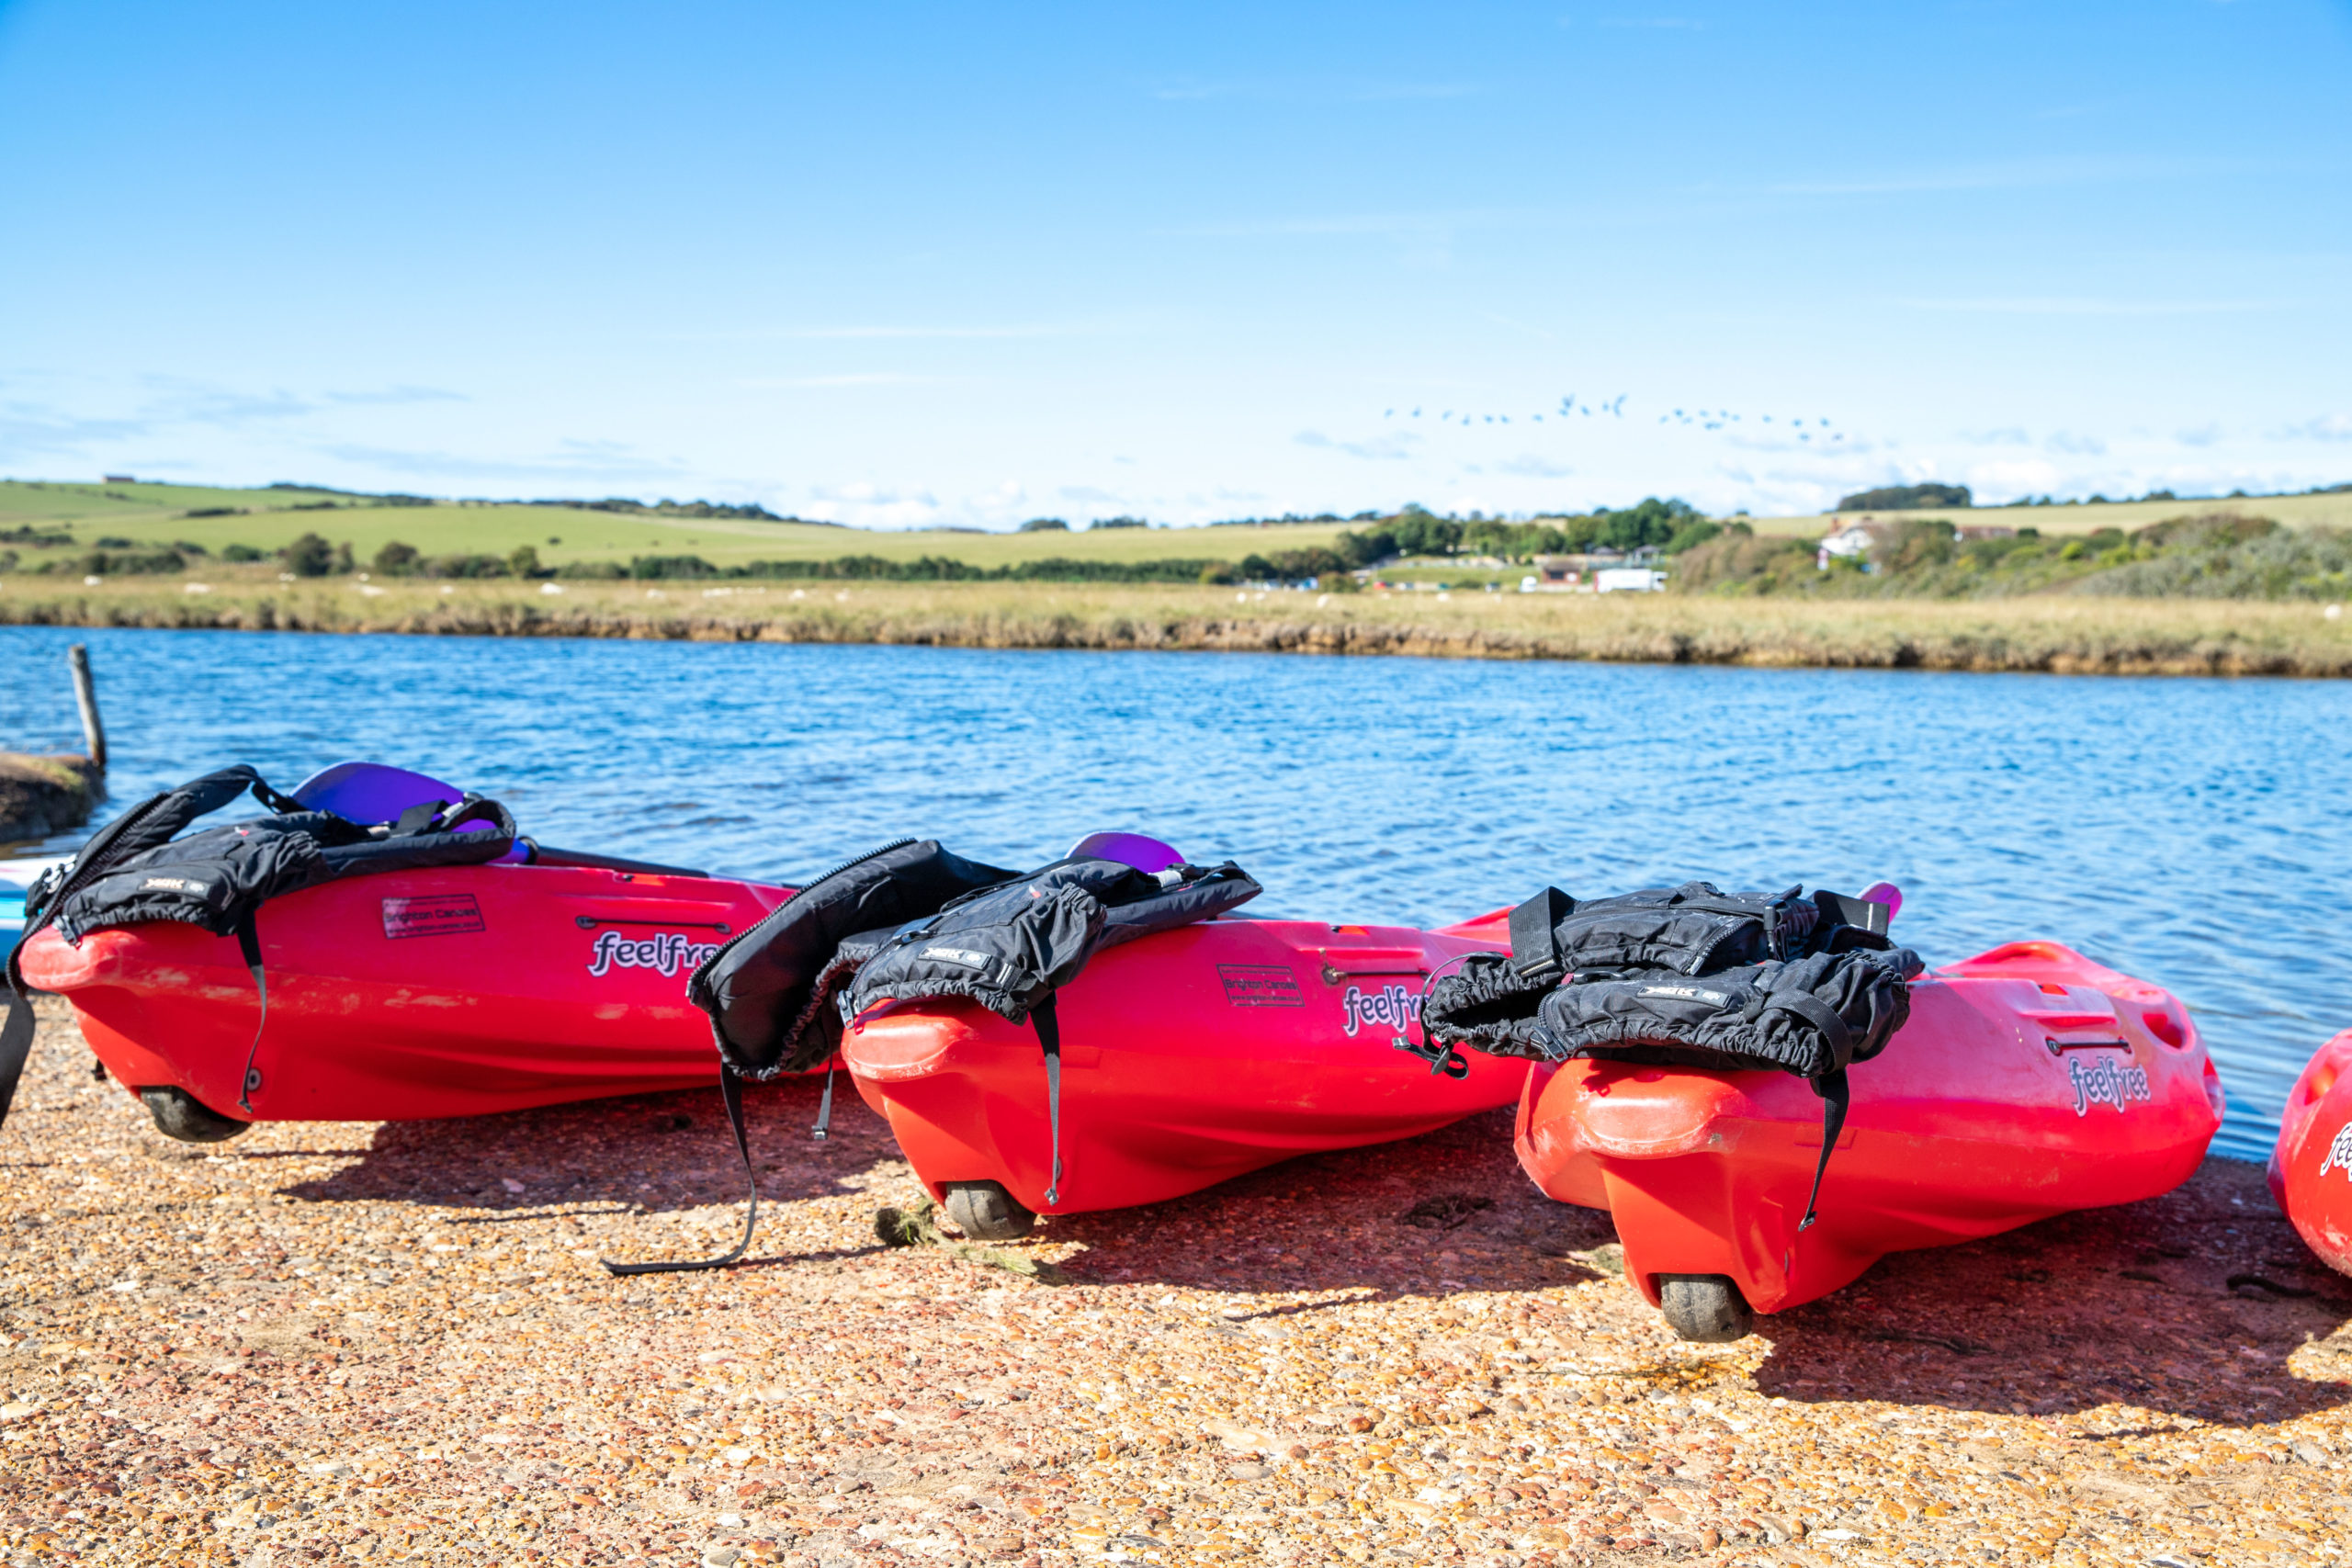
1856 538
1853 539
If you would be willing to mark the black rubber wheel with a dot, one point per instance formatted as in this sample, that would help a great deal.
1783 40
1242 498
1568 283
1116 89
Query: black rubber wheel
1707 1308
986 1212
179 1114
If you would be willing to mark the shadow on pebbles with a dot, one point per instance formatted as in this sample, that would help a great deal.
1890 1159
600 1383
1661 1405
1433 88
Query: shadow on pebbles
327 1343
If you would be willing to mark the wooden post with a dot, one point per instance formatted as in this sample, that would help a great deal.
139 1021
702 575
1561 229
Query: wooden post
85 692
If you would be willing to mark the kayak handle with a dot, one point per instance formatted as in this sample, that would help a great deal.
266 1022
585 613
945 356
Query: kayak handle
590 922
1333 974
2060 1047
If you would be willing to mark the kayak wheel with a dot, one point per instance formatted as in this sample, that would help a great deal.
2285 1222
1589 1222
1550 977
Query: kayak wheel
986 1212
1707 1308
179 1114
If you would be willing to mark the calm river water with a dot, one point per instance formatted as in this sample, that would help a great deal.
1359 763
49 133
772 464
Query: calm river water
2189 831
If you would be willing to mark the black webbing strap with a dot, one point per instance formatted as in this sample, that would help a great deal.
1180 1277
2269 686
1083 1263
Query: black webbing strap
1835 1032
424 814
284 804
249 943
1861 913
1049 1035
1534 940
16 1043
1837 1096
824 1127
731 1091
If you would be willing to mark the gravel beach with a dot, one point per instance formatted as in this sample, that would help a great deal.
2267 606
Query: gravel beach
330 1342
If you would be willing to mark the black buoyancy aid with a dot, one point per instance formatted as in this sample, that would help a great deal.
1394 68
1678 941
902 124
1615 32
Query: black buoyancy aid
1011 947
1686 976
137 872
914 922
769 991
133 871
1694 929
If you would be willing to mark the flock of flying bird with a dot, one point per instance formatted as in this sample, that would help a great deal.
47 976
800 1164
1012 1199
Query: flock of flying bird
1705 419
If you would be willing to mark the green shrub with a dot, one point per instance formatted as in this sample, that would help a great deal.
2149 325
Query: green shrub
466 565
242 553
396 559
309 556
1044 525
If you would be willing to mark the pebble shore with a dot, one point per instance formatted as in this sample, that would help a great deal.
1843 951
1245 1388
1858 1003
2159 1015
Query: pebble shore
337 1342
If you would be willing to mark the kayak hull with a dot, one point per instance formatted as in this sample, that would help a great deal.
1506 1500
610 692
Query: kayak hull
2310 1170
1188 1059
453 991
2028 1082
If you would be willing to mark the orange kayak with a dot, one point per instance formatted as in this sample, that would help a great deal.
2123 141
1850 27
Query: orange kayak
1188 1057
2310 1170
2028 1082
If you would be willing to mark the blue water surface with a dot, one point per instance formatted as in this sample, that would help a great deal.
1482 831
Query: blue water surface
2189 831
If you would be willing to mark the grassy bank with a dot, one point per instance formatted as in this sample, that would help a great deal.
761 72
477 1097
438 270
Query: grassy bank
76 518
2056 634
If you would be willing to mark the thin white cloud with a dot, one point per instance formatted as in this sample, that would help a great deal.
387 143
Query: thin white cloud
2087 305
2016 174
1035 329
1533 468
395 396
2327 427
1356 92
851 379
1380 449
573 461
2202 436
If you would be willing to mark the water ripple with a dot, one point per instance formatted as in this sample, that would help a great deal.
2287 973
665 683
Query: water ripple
2187 831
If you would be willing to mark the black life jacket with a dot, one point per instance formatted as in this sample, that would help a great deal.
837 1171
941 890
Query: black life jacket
1689 977
769 990
134 871
1011 947
1006 939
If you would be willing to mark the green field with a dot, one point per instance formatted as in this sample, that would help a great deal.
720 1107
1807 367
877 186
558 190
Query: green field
2328 510
156 516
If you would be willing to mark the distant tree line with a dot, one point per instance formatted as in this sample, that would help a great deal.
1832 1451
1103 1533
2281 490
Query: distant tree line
1907 498
1668 525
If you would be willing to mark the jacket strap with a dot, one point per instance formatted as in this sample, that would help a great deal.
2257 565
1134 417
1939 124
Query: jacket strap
1049 1035
1861 913
824 1128
1534 935
1835 1032
731 1094
249 944
1836 1099
16 1043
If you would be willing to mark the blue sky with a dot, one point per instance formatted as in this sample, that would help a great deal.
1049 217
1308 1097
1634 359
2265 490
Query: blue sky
912 265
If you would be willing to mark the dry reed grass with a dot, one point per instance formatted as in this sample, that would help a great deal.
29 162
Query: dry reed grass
2057 634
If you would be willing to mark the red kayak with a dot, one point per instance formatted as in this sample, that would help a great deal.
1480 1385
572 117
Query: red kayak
2310 1170
450 992
2028 1082
1188 1057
